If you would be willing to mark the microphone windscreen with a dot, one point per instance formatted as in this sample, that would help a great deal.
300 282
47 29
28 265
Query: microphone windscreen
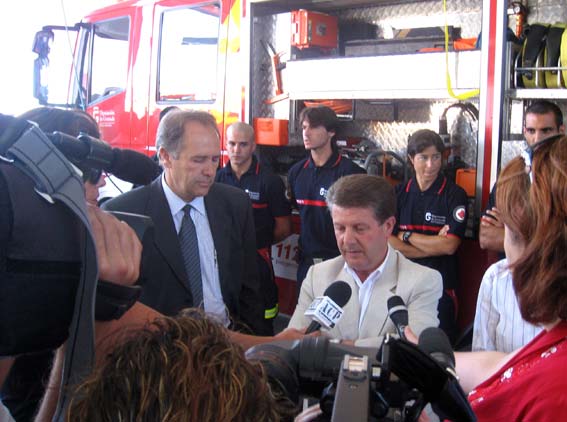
434 340
396 303
339 292
133 167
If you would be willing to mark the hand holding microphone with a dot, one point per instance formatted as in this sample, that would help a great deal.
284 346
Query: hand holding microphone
327 310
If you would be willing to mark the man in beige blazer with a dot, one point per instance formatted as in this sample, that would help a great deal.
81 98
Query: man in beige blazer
363 210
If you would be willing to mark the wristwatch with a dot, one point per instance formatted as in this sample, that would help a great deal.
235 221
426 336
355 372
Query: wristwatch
406 236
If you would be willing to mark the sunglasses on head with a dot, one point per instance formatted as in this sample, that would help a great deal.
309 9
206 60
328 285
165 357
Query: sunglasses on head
528 154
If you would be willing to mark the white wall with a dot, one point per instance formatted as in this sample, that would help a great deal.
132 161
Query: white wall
19 21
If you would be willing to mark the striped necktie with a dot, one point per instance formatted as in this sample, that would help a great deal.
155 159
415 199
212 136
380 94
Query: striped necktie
190 252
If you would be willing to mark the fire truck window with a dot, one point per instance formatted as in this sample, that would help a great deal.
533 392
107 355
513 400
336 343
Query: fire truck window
188 54
110 45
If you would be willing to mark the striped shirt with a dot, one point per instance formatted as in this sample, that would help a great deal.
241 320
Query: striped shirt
498 324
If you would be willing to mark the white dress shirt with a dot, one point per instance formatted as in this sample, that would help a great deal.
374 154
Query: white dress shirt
365 287
498 324
212 295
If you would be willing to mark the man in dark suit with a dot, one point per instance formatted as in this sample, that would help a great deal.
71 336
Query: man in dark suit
188 145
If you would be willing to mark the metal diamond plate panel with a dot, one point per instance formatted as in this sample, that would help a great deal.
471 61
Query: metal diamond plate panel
388 125
263 30
548 11
465 14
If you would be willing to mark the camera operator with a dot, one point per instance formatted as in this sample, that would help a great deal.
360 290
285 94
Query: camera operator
25 381
118 256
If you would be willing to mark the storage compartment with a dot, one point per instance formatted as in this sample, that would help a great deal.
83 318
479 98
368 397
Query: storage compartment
271 131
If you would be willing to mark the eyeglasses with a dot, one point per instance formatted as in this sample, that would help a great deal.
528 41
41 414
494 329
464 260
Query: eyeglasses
528 154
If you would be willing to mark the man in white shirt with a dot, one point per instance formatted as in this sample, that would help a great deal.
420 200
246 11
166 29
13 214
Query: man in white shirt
363 209
188 145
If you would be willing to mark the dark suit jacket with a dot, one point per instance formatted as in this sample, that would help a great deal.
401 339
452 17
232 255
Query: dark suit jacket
163 274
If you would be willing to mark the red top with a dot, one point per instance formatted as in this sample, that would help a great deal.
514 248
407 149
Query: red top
531 387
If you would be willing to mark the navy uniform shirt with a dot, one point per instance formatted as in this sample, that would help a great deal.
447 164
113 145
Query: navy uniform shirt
308 187
427 212
267 193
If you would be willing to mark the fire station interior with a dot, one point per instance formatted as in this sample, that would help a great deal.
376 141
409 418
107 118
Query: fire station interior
383 69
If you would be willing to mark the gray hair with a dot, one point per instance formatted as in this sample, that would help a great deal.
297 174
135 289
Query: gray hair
364 191
172 127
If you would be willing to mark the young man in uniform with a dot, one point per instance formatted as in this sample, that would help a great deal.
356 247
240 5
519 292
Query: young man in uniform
542 120
310 179
272 211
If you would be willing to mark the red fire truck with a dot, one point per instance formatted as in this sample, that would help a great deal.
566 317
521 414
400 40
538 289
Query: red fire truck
384 66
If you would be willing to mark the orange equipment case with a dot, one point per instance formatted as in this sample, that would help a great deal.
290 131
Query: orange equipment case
312 29
271 131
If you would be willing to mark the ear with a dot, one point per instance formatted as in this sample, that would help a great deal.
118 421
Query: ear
332 134
389 225
410 158
165 158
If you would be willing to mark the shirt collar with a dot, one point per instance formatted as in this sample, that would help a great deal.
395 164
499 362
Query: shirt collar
253 169
333 160
373 276
436 188
176 204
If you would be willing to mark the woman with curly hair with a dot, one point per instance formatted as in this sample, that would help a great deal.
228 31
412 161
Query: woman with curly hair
178 369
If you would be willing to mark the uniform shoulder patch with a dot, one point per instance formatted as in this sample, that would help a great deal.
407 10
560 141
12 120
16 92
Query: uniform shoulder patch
459 213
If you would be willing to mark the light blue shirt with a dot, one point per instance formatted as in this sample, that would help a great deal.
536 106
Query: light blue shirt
212 295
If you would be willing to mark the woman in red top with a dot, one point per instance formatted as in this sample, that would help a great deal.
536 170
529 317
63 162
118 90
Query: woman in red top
531 383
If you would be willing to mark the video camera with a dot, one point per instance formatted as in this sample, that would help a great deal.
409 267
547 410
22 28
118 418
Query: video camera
356 384
44 226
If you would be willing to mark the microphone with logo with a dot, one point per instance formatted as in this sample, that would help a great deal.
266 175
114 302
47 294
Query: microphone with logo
398 313
327 310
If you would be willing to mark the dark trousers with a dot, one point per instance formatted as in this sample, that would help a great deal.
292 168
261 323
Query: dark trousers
448 315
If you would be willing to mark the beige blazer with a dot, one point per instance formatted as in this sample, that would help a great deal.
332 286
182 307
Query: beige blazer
419 287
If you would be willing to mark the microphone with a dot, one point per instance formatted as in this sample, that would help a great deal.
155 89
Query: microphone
435 342
133 167
86 151
398 313
451 401
327 310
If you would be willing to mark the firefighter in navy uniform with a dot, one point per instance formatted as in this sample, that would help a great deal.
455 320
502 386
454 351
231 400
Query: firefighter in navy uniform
272 210
310 179
431 219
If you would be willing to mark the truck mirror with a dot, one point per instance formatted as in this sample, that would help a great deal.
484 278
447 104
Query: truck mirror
40 87
42 43
41 46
